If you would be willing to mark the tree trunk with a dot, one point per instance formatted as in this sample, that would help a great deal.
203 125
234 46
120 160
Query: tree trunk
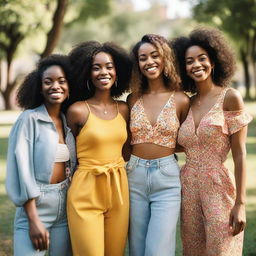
9 86
253 60
54 34
247 80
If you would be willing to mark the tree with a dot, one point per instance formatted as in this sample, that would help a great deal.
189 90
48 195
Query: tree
238 19
16 25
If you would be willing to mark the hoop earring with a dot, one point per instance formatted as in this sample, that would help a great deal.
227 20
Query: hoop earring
88 86
213 73
166 72
116 82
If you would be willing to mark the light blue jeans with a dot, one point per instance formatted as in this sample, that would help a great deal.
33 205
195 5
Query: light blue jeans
51 206
155 196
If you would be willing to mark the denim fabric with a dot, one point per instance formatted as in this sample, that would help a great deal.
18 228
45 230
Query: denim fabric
51 207
155 195
31 154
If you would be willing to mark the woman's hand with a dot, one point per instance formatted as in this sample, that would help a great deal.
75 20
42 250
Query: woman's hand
237 220
39 235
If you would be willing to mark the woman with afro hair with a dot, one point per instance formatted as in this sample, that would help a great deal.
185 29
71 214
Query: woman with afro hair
158 107
98 203
213 202
41 159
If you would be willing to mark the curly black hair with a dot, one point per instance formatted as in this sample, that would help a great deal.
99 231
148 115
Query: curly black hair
214 43
29 95
81 59
139 81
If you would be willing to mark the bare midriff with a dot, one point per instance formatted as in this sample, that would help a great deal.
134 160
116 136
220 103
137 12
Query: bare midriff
151 151
58 173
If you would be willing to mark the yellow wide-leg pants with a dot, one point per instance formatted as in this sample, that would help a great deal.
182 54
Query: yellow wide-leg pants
98 211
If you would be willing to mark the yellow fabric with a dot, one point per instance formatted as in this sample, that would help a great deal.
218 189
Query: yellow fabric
98 201
101 139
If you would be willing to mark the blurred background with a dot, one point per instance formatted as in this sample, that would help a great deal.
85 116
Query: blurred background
32 29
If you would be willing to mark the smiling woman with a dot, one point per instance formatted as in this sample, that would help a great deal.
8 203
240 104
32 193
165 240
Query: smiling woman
54 85
157 108
213 201
98 205
41 159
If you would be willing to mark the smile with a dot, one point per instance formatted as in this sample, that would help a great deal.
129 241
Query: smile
56 95
151 69
198 72
104 79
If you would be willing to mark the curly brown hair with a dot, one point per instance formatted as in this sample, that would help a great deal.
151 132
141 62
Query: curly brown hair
81 58
139 82
215 44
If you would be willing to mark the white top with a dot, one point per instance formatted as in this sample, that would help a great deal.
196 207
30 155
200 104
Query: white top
62 154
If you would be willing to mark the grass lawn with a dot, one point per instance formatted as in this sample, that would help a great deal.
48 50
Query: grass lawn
7 209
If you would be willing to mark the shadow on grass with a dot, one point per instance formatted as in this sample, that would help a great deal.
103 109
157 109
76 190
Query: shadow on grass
3 147
250 235
7 211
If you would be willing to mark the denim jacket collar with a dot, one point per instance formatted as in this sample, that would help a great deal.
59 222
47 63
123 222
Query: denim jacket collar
43 115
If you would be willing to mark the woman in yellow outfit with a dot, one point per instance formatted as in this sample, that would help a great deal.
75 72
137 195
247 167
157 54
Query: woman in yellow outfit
98 203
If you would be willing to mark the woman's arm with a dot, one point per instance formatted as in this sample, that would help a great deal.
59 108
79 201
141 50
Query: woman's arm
182 107
234 102
124 110
238 216
39 235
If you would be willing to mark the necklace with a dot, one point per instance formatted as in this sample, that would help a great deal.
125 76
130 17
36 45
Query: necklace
105 111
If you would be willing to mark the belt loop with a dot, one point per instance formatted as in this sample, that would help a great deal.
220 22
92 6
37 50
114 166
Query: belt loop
137 161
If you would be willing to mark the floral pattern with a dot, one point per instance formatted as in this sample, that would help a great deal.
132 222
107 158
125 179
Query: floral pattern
163 132
208 188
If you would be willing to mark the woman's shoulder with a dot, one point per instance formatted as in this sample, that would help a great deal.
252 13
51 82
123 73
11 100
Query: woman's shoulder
77 108
182 98
233 100
131 99
123 109
26 116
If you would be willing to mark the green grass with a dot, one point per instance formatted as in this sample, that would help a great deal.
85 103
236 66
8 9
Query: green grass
7 208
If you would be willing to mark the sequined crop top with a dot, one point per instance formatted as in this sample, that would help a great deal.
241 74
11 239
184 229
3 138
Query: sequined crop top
163 132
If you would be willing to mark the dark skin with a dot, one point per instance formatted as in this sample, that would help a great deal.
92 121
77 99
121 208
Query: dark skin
197 59
103 75
55 91
154 99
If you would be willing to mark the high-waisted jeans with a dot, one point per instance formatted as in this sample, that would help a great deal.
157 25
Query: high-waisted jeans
155 196
51 207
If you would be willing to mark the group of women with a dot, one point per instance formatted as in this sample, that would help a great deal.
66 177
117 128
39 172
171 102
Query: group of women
73 191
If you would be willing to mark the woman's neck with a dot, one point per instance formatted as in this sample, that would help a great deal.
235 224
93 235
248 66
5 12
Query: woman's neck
53 110
102 97
205 87
156 86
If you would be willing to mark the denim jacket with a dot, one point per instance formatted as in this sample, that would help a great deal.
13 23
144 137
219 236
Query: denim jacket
31 153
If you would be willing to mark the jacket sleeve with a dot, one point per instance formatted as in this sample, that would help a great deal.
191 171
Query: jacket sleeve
20 177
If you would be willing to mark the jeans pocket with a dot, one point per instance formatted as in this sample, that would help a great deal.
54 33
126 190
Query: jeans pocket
170 170
130 166
39 199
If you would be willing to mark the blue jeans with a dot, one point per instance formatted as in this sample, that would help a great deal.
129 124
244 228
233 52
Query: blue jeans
155 195
51 207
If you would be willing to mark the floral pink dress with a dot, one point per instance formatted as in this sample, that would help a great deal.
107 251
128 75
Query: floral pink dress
208 188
